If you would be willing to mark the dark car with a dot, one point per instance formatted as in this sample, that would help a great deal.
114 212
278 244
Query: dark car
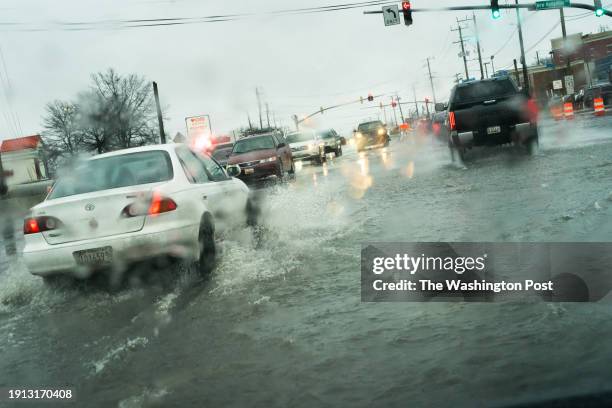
439 125
221 153
261 156
587 96
491 112
371 134
332 142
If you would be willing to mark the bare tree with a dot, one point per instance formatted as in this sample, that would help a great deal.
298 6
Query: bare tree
122 110
117 112
62 136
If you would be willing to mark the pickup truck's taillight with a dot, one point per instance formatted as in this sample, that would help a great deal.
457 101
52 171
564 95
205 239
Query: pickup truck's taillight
532 110
157 204
35 225
451 121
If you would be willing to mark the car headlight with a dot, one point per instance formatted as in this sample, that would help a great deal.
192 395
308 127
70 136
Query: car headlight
381 131
271 159
358 135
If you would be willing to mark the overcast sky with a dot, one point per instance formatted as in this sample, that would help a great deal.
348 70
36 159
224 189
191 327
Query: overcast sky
300 62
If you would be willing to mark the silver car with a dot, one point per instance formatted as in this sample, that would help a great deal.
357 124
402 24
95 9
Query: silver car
306 145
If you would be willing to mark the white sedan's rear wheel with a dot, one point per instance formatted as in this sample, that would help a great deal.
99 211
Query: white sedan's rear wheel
208 251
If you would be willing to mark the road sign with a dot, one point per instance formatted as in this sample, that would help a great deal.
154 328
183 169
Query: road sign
552 4
391 15
558 84
199 131
569 84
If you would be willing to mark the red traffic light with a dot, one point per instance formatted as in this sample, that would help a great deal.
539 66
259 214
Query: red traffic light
407 11
370 97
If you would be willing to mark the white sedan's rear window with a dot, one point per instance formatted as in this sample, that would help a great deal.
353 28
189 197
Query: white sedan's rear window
115 172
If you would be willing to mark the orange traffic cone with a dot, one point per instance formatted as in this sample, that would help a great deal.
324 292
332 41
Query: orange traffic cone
598 105
568 110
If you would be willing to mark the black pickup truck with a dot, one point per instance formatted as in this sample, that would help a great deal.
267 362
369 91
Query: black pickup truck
491 112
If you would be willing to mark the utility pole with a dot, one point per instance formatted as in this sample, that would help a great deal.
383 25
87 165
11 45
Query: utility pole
433 91
394 111
486 64
520 30
516 73
563 23
296 121
3 184
397 98
160 119
416 105
259 107
462 42
492 66
250 123
478 45
268 114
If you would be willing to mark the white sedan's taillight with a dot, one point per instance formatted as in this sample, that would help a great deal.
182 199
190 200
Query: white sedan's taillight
35 225
158 204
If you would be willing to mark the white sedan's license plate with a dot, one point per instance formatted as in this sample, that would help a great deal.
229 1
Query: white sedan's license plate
92 257
493 130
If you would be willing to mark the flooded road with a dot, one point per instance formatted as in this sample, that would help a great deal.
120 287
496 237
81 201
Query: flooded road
280 322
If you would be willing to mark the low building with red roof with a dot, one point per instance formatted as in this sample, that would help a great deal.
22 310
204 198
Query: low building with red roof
23 159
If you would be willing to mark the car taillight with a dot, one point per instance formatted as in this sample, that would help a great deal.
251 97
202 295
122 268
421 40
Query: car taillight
157 204
451 121
35 225
532 110
161 204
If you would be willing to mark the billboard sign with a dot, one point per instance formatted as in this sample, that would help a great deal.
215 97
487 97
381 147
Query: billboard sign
199 131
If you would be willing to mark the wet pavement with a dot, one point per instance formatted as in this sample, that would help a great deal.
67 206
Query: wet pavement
280 322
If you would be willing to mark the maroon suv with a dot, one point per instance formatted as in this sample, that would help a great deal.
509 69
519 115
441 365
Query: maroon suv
261 156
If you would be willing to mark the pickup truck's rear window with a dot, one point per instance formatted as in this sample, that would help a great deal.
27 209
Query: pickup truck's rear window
483 91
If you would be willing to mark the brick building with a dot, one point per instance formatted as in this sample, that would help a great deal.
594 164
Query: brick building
589 56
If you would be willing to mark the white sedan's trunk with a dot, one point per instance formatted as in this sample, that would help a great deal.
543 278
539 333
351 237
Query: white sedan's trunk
93 215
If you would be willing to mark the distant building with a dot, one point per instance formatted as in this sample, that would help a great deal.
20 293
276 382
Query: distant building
23 160
589 57
179 138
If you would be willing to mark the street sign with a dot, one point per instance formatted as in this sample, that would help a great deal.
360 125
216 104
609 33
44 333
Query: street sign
552 4
391 15
558 84
569 84
199 131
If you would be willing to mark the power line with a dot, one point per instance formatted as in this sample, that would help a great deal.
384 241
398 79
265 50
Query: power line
174 21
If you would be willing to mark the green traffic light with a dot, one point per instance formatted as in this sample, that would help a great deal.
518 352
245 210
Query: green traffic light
496 14
599 12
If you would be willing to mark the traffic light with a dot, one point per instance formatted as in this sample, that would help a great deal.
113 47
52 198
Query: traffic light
599 10
495 9
407 9
370 97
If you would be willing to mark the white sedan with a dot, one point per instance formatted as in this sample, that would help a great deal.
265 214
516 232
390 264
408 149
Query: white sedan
133 205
